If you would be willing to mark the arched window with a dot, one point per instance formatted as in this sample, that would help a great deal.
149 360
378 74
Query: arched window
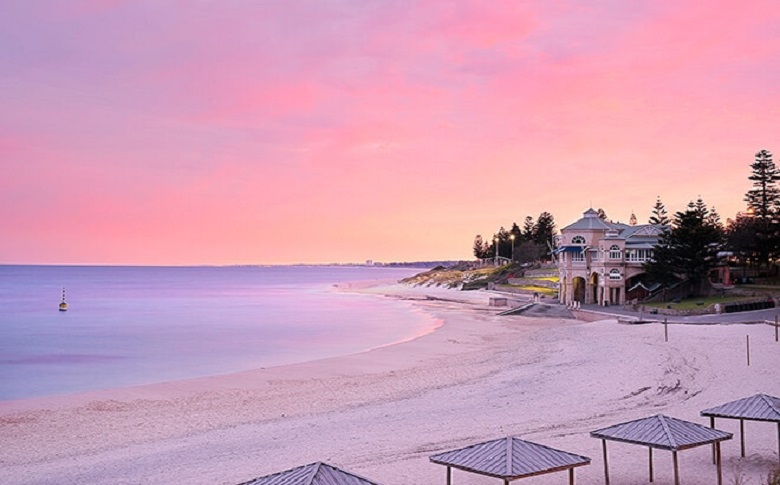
614 274
578 240
614 252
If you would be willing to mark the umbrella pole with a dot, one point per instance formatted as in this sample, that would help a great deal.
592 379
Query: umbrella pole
712 425
449 475
651 463
571 476
676 469
742 436
720 470
606 466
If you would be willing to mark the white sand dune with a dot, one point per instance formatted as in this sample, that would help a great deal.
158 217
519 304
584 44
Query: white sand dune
382 413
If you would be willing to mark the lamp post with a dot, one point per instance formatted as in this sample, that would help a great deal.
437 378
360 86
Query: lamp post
512 238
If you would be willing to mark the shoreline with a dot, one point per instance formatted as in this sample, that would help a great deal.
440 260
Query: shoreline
108 348
382 412
377 288
420 299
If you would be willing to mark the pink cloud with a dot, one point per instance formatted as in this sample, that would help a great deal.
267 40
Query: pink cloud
189 132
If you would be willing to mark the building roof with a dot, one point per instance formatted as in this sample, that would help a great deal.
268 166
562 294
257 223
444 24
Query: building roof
571 249
312 474
760 407
591 221
650 288
510 458
662 432
639 245
646 231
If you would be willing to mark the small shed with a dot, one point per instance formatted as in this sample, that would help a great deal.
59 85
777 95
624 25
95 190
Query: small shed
509 459
317 473
760 407
665 433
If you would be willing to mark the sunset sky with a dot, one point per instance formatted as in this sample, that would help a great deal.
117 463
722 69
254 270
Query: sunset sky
247 131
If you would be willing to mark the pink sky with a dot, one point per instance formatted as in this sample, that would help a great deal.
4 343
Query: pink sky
241 132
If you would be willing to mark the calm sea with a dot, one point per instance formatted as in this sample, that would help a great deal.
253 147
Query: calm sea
137 325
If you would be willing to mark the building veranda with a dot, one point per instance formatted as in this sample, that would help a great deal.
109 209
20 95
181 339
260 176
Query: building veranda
601 262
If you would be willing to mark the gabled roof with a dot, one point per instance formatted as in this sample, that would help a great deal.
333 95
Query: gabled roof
650 231
760 407
662 432
313 474
509 458
640 284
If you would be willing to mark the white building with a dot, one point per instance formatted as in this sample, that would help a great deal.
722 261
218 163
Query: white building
601 262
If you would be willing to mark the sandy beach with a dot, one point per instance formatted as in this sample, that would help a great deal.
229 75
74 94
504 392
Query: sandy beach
382 413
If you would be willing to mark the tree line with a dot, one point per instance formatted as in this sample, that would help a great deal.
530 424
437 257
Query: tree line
533 242
693 240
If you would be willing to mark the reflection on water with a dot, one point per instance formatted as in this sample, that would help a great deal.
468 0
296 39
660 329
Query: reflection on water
135 325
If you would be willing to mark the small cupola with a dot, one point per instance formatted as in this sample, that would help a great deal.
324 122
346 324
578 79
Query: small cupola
590 213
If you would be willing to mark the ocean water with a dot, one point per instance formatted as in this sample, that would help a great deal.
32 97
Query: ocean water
137 325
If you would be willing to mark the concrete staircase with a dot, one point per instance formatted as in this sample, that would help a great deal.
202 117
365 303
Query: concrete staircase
540 310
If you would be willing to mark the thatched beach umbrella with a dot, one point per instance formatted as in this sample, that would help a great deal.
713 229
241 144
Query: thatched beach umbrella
664 433
509 459
754 408
313 474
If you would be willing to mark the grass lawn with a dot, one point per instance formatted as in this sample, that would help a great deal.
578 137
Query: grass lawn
554 279
694 303
538 289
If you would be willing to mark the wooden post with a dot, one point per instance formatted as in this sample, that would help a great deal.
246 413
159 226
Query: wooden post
778 439
651 463
571 476
742 436
776 327
747 340
676 469
666 331
720 468
606 466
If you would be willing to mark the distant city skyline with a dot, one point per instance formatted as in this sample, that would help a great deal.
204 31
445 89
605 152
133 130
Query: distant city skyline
201 132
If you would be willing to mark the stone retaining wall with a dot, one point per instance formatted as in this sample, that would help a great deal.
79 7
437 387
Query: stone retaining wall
518 291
